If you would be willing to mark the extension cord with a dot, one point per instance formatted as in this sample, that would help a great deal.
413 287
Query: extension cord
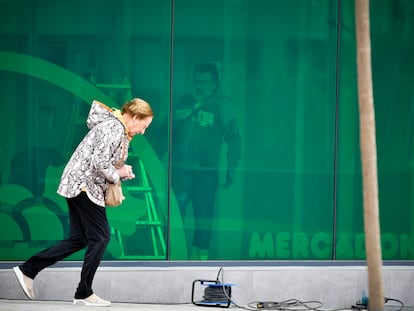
268 305
363 303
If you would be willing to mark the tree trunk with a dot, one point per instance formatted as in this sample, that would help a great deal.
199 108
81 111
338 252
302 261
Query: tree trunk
369 157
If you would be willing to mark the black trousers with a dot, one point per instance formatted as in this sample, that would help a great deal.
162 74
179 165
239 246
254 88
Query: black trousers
88 228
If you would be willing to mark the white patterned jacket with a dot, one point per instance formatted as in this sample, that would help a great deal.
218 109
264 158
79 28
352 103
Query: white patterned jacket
92 165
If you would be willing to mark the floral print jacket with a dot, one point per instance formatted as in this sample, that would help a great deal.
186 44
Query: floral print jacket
92 166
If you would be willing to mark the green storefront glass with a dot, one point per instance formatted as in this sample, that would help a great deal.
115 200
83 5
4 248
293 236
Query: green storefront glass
286 119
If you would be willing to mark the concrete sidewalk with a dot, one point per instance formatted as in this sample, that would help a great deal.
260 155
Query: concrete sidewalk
36 305
41 305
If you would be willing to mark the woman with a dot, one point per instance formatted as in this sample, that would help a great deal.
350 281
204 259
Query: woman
83 183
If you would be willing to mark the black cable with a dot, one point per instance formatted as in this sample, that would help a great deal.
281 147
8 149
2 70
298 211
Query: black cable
224 291
396 300
287 305
216 293
291 304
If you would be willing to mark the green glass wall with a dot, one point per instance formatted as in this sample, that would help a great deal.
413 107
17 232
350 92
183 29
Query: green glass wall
283 124
392 67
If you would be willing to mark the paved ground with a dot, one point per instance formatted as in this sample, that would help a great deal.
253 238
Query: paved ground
28 305
36 305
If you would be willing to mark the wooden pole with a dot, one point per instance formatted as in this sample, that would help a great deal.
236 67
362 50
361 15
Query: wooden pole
369 157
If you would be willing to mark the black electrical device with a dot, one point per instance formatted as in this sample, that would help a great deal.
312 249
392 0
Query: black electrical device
216 294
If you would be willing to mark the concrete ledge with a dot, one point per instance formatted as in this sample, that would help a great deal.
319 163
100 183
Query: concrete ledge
335 286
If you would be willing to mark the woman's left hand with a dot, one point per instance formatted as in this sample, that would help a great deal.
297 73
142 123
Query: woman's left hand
125 172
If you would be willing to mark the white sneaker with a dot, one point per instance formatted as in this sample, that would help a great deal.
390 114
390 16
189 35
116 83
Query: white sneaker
25 282
92 301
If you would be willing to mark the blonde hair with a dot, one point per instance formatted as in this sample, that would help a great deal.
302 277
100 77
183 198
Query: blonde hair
137 107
